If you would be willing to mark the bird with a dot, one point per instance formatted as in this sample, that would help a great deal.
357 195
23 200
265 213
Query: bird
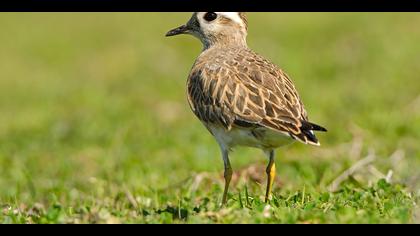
243 99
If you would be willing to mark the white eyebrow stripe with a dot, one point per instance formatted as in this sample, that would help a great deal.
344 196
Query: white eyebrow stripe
233 16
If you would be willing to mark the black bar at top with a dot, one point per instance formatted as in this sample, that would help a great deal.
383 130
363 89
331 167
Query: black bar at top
209 5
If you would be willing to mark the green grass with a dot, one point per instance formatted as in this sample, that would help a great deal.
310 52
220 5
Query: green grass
95 127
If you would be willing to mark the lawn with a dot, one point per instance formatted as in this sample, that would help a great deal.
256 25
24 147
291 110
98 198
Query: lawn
95 126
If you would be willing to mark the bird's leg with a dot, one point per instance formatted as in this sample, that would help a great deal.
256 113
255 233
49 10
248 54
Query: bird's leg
271 173
227 174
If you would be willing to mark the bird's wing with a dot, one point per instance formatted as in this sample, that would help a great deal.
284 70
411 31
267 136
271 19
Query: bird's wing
249 91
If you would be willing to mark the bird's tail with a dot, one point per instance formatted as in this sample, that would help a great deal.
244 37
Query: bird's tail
307 135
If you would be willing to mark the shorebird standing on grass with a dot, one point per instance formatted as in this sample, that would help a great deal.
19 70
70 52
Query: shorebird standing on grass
242 98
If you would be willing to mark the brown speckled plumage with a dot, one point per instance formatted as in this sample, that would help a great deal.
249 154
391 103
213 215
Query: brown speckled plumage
235 87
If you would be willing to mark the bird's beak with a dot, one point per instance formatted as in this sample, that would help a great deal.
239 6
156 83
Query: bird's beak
183 29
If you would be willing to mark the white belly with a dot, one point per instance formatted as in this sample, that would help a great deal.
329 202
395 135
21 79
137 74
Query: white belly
244 137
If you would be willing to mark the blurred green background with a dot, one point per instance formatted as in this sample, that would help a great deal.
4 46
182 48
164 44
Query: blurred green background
93 106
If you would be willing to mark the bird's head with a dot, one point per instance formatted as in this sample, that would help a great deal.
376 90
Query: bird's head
215 28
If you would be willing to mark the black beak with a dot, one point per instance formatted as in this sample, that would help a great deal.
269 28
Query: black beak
183 29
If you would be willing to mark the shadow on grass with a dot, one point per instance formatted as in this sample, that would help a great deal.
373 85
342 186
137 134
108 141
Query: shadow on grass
177 213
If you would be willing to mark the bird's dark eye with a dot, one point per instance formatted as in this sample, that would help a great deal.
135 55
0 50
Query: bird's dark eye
210 16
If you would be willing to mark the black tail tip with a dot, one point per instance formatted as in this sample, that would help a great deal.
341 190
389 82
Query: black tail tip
312 126
319 128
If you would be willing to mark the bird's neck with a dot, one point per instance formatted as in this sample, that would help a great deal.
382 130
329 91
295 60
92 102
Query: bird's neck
225 41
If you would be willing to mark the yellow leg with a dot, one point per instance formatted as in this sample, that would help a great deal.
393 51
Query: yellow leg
228 177
271 174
